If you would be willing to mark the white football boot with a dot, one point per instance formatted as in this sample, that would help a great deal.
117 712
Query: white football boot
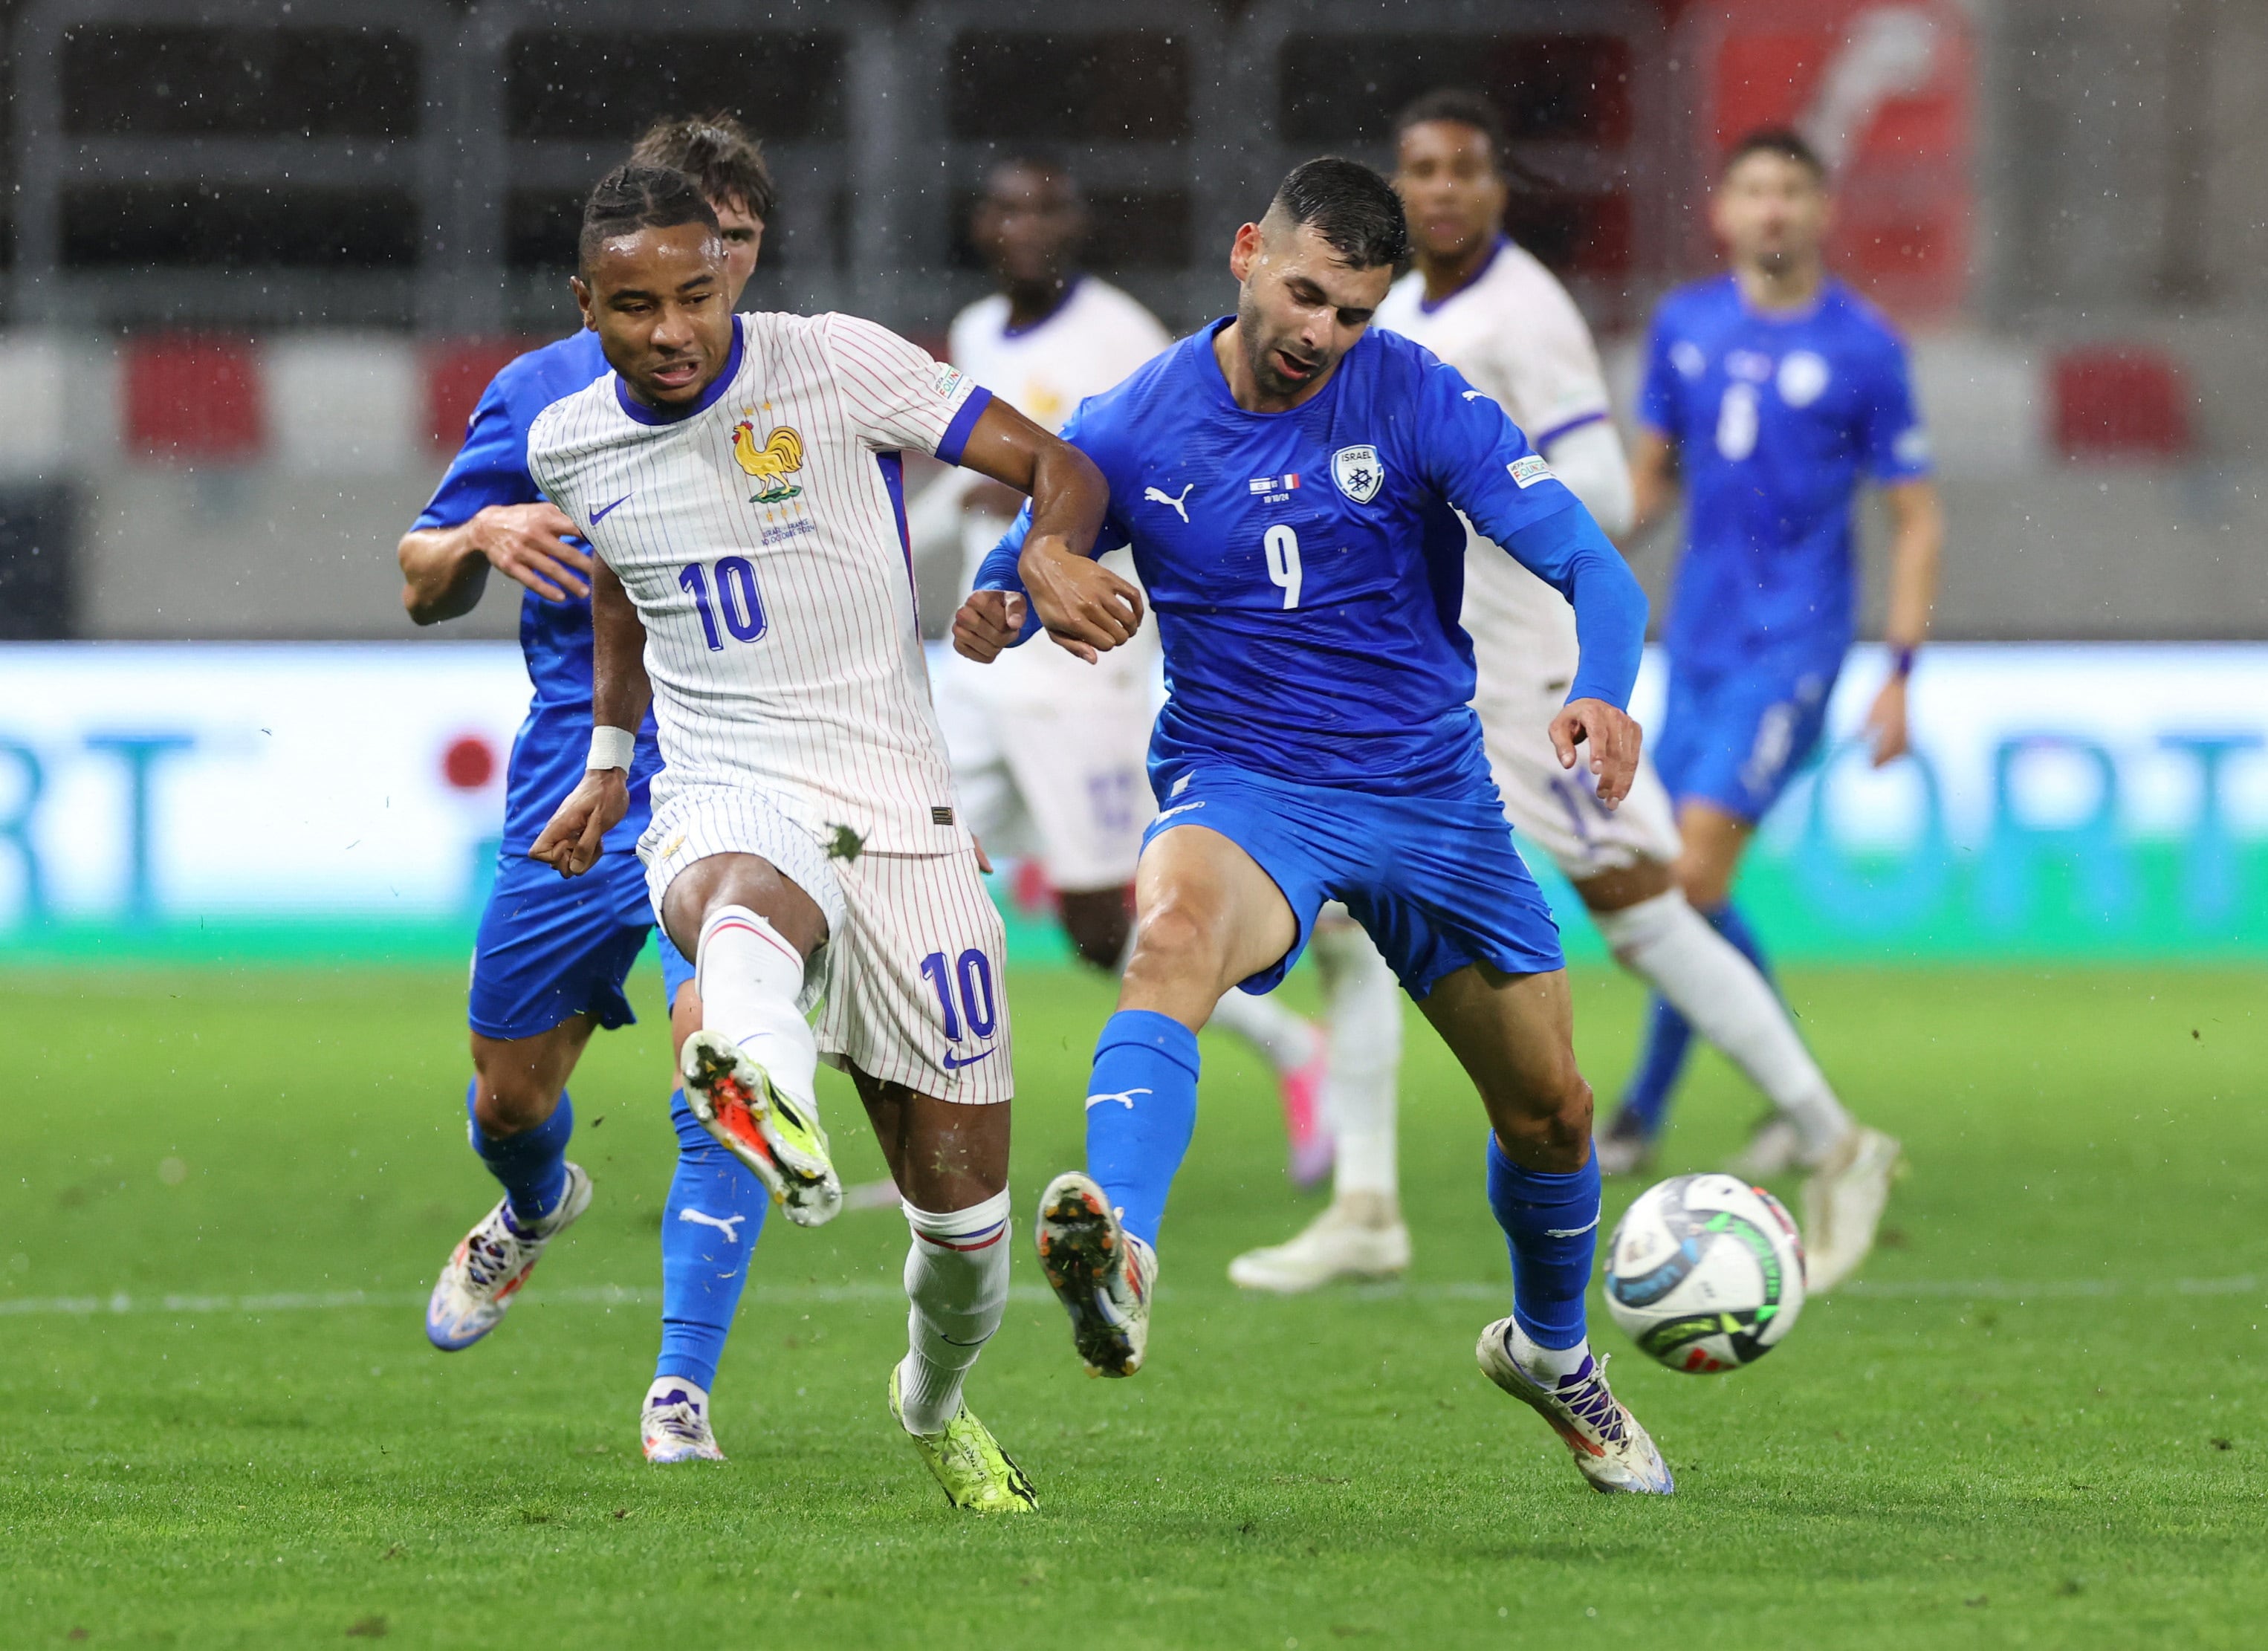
1843 1204
1622 1148
762 1124
489 1266
673 1425
1362 1235
1773 1149
1610 1449
1101 1273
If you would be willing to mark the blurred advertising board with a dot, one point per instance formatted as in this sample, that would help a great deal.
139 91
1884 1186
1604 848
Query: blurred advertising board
195 801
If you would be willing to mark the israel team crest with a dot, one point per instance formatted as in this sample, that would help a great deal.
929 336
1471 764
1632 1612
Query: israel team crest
1358 473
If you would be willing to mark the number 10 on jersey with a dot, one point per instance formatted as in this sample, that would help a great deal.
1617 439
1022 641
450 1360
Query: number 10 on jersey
736 599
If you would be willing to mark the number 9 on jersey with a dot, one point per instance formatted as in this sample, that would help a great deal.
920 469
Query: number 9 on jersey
1283 547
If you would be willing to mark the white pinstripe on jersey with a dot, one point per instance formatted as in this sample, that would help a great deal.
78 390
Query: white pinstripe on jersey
761 540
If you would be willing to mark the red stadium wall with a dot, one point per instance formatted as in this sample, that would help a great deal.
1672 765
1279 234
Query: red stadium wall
1886 92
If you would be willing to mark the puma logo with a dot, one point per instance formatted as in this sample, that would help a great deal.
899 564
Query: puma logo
730 1226
1125 1099
1158 495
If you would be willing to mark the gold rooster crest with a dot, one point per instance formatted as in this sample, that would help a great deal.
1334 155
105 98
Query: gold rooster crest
780 457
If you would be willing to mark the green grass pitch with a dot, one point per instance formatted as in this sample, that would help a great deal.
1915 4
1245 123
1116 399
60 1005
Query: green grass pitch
2038 1419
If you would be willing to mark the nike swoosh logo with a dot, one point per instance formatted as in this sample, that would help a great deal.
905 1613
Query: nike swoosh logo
598 516
954 1063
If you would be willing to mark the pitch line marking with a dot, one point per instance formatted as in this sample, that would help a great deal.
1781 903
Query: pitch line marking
122 1302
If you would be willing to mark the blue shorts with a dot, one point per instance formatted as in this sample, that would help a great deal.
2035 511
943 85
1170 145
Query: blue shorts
1435 880
1736 737
552 948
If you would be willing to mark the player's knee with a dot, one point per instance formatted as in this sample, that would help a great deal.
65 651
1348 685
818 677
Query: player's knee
512 1103
1172 940
1547 1116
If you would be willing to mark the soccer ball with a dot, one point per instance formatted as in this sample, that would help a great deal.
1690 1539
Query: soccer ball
1705 1273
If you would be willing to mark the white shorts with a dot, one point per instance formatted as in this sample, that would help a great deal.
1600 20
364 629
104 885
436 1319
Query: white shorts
1050 758
1557 809
909 985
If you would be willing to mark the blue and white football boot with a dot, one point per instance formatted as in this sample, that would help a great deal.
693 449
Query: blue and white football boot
1610 1449
492 1264
673 1426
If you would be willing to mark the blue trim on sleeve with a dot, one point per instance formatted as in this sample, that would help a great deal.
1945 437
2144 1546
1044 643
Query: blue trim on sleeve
708 398
964 421
893 482
1566 429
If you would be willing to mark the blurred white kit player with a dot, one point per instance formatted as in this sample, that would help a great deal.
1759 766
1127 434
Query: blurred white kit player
770 517
1513 332
1051 753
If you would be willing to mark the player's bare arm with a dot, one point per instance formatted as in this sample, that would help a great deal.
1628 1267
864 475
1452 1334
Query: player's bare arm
1653 483
1917 548
1086 608
620 695
444 570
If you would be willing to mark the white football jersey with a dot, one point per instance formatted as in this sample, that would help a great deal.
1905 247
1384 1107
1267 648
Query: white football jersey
1085 345
1513 332
762 537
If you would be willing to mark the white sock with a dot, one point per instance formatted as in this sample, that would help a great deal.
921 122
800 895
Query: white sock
750 979
1364 1015
957 1279
1704 977
1289 1041
1547 1365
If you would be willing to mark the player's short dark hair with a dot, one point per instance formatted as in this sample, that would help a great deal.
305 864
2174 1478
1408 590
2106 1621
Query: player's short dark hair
1784 141
1462 106
718 152
633 197
1354 209
1032 158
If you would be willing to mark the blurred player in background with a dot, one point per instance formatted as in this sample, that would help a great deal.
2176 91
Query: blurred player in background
1320 745
1049 752
551 957
740 477
1491 310
1773 391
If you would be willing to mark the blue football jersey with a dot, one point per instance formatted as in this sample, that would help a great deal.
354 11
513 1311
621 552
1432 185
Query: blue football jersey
1306 568
550 754
1776 419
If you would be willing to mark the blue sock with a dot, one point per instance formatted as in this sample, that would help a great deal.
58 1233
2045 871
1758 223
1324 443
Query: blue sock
1727 922
1141 1110
708 1228
1669 1039
1661 1062
1551 1225
533 1166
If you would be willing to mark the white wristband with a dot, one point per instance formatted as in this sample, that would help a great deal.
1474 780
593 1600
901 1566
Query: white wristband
611 747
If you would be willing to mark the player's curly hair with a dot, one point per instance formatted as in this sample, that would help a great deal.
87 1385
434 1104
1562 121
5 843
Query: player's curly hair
719 153
1354 209
633 197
